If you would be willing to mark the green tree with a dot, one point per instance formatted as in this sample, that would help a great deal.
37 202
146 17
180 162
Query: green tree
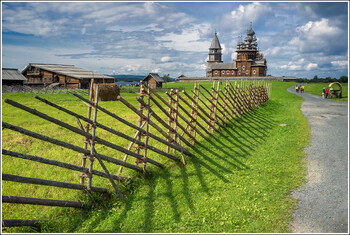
166 78
343 79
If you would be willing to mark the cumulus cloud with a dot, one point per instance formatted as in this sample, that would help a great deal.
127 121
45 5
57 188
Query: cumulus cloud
238 19
165 59
316 36
311 66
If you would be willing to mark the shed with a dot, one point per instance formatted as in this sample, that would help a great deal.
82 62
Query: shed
12 77
68 76
153 81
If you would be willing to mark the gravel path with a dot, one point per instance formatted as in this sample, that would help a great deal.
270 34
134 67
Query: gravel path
323 200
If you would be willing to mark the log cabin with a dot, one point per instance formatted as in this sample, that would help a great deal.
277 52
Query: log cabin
12 77
153 81
68 76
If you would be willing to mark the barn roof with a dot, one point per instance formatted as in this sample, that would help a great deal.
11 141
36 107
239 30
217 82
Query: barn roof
68 70
12 74
155 76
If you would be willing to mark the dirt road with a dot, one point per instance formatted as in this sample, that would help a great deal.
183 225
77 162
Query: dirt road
323 200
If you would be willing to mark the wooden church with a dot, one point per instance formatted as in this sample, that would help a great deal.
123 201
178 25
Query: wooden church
248 63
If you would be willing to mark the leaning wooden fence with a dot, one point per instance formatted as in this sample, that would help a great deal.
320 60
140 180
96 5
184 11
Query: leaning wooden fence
188 115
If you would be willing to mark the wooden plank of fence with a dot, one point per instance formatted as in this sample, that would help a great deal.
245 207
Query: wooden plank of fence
200 108
78 131
189 124
171 119
137 128
92 143
194 112
170 107
67 145
239 98
87 127
59 164
7 223
30 180
212 105
151 122
161 121
43 202
129 148
133 140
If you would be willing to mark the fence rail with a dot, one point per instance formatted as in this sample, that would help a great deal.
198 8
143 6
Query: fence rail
188 115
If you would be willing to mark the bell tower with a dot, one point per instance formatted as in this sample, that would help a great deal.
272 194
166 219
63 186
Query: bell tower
215 51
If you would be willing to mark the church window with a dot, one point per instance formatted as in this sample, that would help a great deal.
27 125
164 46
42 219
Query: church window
243 67
228 72
233 72
223 72
246 72
216 72
239 72
254 71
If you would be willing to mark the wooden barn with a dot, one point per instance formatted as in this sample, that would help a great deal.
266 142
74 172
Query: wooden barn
12 77
62 75
153 81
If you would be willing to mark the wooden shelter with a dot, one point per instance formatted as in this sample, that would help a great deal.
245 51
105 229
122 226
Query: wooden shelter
153 81
62 75
12 77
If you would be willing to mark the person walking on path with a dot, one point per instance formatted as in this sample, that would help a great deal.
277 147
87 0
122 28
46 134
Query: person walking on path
322 205
326 92
323 92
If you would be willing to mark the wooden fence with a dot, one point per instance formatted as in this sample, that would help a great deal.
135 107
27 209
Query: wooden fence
199 112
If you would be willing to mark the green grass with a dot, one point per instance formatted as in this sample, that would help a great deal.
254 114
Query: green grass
239 181
316 89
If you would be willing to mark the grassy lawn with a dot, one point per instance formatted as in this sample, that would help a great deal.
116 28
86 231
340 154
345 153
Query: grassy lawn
316 89
238 182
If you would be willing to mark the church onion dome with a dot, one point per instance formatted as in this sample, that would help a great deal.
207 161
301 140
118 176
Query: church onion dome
215 44
250 32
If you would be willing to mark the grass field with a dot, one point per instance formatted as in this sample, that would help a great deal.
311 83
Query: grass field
316 89
239 181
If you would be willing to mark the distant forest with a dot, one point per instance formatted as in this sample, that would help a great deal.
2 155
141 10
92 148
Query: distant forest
137 78
128 78
316 79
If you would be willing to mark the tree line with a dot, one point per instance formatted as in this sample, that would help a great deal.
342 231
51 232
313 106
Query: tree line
316 79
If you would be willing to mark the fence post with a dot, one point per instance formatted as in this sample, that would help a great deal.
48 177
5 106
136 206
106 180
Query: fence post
194 110
171 116
87 127
147 130
138 138
92 141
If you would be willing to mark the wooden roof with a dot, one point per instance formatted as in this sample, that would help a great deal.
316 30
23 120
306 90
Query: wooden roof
68 70
155 76
12 74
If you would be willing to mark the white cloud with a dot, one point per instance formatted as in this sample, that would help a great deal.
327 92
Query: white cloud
238 20
311 66
317 36
188 40
341 64
156 70
165 59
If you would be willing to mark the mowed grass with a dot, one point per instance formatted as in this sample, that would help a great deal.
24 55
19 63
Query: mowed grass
238 181
316 89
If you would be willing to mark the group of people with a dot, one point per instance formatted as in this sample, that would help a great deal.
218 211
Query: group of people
325 92
299 88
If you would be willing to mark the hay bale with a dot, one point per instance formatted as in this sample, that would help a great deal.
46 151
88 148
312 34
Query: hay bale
107 91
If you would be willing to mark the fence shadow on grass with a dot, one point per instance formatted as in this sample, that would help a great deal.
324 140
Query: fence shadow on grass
222 154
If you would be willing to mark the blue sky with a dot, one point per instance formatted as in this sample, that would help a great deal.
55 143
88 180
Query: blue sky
299 39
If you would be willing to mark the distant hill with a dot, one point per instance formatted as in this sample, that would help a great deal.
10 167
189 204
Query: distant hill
128 78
